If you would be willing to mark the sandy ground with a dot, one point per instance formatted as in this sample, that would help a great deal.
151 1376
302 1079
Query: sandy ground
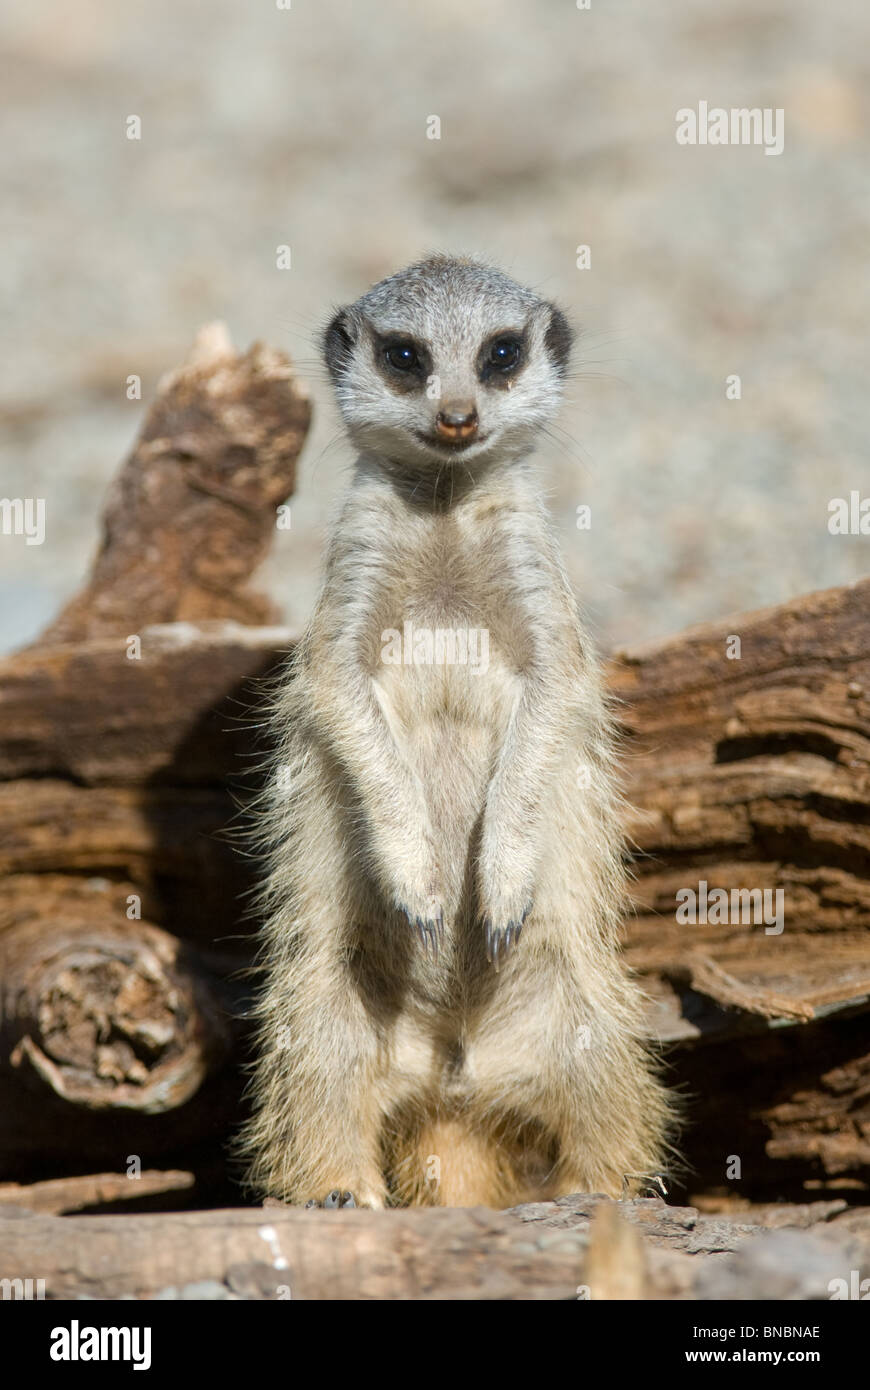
307 126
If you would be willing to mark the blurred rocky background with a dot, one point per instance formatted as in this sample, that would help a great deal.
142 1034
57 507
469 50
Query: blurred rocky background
307 126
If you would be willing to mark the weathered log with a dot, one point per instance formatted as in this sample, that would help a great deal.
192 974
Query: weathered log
193 510
180 714
577 1247
101 1015
804 1106
170 842
94 1190
754 773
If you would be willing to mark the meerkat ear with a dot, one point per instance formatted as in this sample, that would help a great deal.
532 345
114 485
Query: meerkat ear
559 339
338 342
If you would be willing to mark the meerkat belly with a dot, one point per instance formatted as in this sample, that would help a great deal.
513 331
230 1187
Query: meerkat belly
448 702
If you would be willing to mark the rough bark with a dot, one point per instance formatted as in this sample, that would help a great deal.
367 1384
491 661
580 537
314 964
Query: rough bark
93 1190
584 1247
105 1013
755 773
193 510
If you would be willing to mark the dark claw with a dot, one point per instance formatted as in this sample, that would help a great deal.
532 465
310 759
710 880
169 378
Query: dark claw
488 936
430 931
501 941
335 1200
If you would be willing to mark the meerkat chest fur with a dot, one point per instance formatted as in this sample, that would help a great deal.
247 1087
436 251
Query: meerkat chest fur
453 607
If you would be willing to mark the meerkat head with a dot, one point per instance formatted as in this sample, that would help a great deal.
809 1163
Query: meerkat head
447 360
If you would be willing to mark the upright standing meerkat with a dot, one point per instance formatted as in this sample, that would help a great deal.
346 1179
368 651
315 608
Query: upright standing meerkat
446 1019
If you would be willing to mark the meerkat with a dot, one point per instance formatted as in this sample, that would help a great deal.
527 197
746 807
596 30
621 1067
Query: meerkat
446 1019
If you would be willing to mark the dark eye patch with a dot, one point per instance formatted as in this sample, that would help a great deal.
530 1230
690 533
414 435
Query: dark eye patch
502 356
402 360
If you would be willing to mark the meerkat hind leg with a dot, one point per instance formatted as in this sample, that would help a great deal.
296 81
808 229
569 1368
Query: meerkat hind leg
315 1134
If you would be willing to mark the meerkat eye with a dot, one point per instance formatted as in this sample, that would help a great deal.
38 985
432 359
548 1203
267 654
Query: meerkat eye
504 354
402 357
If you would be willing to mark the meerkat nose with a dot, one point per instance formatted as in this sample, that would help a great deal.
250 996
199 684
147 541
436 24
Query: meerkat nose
457 421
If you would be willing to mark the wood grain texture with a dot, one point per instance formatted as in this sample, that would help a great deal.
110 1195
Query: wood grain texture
581 1246
192 512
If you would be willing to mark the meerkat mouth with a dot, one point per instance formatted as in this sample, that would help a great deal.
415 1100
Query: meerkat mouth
450 446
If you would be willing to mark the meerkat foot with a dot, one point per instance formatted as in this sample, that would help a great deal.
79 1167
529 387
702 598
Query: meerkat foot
335 1201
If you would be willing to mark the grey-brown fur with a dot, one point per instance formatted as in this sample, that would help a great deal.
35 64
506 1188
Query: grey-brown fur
445 1017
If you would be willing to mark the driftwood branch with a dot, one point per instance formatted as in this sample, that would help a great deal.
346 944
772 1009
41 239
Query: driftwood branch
192 512
94 1190
578 1247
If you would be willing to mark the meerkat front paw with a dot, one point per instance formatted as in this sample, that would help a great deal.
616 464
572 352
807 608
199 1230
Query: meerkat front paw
505 895
502 935
428 925
418 896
